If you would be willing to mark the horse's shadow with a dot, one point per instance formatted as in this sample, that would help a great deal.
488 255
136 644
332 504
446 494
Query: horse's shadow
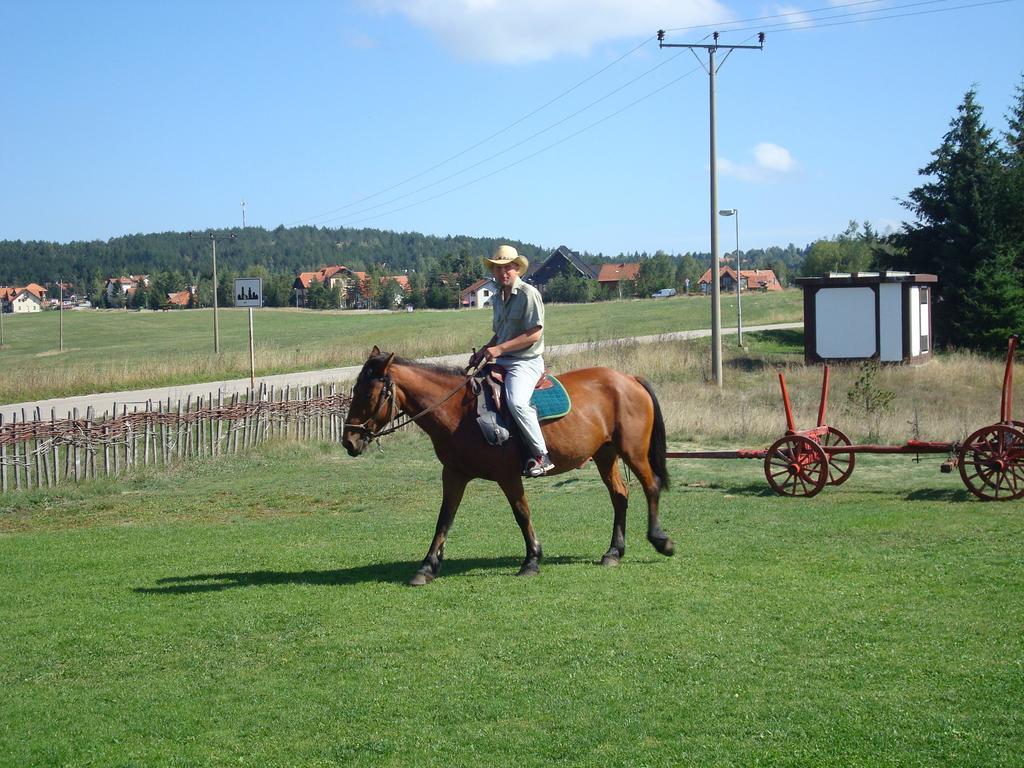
380 573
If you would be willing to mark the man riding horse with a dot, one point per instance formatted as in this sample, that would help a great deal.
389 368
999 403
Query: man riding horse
518 346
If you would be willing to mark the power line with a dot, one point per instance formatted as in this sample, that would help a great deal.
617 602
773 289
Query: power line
775 16
483 141
862 17
511 147
534 154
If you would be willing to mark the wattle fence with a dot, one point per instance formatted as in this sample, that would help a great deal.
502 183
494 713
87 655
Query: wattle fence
41 452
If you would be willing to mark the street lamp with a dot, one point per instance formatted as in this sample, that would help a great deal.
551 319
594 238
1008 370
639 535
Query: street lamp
739 307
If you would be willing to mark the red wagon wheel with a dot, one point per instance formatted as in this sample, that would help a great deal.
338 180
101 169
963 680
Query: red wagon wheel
796 466
840 465
992 463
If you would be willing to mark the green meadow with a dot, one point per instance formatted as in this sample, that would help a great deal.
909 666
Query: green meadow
113 350
252 611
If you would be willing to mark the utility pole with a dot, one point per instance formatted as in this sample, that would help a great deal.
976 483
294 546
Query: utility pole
216 324
716 288
243 214
60 312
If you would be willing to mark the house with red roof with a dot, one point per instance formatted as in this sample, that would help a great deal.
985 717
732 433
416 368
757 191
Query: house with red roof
479 294
614 277
23 298
181 299
750 280
351 284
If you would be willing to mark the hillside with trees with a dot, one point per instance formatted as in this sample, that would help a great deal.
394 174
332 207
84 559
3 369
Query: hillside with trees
437 267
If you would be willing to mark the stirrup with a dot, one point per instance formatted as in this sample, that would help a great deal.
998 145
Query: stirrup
538 466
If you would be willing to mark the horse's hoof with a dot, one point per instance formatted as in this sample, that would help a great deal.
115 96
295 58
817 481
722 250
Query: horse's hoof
610 561
530 568
663 544
420 579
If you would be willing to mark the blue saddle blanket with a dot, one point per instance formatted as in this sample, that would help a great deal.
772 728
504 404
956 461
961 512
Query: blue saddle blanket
551 403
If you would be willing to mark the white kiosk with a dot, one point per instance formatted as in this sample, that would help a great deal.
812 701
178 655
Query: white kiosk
886 316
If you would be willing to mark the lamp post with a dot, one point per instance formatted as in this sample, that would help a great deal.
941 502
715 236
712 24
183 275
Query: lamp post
739 306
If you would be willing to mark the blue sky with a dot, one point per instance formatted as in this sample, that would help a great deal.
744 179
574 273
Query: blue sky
449 117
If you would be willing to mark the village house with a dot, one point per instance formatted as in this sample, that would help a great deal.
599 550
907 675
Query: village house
561 261
124 286
26 298
354 286
181 299
479 294
750 280
613 277
351 284
403 283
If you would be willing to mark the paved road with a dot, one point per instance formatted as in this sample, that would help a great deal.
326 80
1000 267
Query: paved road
138 398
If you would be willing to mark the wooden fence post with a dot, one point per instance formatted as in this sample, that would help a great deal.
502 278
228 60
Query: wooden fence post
3 458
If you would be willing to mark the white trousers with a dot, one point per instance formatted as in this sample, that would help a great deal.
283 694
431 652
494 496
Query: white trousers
521 376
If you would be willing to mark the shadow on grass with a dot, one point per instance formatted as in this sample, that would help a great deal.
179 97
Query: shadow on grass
384 573
940 494
760 489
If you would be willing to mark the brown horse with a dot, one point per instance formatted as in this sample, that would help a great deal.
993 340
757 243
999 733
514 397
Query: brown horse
613 415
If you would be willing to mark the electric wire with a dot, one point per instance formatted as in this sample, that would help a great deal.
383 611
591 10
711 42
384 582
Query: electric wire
809 26
482 141
511 147
863 17
537 152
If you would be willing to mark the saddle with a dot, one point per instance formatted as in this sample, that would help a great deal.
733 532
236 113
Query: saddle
488 385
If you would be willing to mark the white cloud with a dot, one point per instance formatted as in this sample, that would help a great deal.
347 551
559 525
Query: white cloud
770 162
518 31
772 157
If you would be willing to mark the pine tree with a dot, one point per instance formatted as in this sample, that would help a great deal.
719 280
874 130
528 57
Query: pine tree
995 301
1012 193
956 230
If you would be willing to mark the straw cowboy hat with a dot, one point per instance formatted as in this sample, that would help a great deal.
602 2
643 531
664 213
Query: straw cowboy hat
506 254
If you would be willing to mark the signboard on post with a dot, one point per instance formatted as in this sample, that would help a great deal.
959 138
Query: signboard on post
248 291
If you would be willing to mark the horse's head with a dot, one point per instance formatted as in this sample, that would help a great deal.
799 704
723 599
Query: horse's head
373 403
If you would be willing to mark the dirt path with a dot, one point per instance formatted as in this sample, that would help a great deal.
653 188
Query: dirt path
137 399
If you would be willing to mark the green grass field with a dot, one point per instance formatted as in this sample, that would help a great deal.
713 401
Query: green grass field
113 350
251 611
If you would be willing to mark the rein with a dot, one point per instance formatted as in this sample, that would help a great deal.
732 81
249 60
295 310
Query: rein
388 394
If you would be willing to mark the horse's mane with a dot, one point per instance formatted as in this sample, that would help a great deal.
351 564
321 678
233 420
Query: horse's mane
452 370
448 370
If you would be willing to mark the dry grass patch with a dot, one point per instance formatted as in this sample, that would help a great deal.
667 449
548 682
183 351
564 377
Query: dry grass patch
944 400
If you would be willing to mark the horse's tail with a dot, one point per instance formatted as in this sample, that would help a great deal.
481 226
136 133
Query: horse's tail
657 449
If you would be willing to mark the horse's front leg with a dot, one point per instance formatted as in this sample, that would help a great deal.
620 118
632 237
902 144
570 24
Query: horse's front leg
454 485
516 496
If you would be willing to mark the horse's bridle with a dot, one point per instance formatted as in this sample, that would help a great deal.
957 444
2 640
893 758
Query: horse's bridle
387 396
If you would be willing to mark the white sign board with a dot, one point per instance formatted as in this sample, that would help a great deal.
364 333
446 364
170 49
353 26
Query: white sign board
248 291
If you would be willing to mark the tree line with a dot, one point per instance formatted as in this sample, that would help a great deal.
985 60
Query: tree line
437 268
